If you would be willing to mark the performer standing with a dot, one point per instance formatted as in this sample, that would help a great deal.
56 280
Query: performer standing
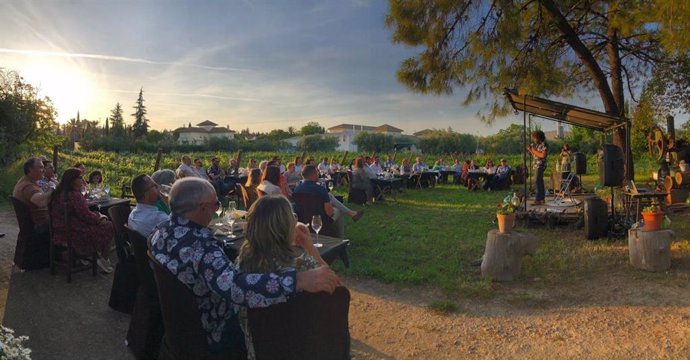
539 150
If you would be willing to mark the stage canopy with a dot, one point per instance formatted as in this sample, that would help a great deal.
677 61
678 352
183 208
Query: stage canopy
569 114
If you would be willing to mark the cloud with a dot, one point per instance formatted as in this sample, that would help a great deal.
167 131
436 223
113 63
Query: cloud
116 58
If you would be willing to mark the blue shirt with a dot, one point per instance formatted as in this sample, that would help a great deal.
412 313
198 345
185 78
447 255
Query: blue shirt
191 253
311 187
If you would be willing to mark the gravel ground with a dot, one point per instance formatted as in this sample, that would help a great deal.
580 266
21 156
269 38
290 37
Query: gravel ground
617 316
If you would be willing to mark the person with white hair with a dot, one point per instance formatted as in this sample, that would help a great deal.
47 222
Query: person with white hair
185 169
186 247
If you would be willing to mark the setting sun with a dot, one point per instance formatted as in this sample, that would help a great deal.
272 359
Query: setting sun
69 88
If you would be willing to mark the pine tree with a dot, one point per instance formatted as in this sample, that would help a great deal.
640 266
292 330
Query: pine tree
118 123
140 126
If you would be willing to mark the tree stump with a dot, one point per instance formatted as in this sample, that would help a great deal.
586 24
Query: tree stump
650 250
504 252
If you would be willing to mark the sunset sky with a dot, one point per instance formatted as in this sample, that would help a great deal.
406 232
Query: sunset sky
247 64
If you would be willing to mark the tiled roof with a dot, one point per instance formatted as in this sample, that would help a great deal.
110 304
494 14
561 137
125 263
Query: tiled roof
388 128
352 126
207 123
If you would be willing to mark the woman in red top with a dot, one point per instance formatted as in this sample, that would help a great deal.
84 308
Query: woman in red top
89 230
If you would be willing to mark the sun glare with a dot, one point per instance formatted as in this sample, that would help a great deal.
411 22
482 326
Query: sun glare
69 88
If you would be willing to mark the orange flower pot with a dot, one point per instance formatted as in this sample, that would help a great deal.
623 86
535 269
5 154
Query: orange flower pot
652 221
505 222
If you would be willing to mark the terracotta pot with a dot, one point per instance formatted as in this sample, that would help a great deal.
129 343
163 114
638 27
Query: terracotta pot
505 222
652 221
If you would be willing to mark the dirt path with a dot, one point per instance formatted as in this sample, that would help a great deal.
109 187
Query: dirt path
617 316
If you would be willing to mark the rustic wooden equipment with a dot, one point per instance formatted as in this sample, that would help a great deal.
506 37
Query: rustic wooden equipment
158 160
650 250
504 252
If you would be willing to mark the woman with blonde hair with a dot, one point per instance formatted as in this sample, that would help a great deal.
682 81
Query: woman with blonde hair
253 181
271 235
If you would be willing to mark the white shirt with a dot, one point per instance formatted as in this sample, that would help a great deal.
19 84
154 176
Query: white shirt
323 168
145 217
335 167
376 167
185 170
269 188
370 172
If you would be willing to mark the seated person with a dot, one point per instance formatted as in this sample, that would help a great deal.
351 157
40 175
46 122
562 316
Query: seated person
298 164
292 176
464 173
199 170
251 185
389 163
95 180
215 177
272 233
215 282
49 180
334 170
27 191
185 169
489 172
324 168
418 166
145 216
233 168
270 181
251 164
405 168
502 174
437 166
331 206
457 168
89 230
361 179
164 178
375 165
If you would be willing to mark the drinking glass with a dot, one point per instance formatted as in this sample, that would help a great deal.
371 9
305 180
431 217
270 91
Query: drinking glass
316 225
231 223
232 206
164 190
330 185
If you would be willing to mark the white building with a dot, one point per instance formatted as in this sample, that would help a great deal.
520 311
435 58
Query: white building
346 134
199 134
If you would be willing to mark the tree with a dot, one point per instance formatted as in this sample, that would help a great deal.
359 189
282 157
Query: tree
447 142
544 47
374 142
313 143
27 122
141 123
117 122
312 128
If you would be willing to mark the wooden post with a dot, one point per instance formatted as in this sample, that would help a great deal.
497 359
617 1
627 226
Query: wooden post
55 158
342 162
238 159
650 250
504 252
158 160
395 154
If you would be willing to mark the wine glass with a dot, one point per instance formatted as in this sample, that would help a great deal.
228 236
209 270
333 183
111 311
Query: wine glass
316 225
232 206
231 223
330 185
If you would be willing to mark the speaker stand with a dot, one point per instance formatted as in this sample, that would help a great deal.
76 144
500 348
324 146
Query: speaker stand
617 226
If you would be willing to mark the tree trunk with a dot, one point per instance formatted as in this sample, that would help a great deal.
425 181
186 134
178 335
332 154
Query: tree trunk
650 250
504 252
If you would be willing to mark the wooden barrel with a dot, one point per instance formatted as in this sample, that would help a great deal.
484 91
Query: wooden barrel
669 183
682 179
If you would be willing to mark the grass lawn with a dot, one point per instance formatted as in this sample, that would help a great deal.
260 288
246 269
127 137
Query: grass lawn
431 237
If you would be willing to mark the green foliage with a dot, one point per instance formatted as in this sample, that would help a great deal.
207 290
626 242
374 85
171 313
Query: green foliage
582 140
317 143
117 122
312 128
447 142
27 122
374 142
507 141
141 123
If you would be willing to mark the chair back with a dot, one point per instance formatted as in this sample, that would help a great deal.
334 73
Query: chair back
184 337
309 326
308 205
119 216
144 271
32 249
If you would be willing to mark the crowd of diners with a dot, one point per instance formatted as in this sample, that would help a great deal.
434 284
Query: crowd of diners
277 259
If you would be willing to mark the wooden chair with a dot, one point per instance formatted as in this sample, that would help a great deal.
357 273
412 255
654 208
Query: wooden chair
309 326
145 331
127 192
32 249
355 196
184 336
125 282
70 263
307 205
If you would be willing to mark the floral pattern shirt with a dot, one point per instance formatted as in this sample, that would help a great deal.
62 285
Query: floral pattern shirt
543 147
193 255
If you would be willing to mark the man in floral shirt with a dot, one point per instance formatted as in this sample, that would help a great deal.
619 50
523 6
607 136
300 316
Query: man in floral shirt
186 246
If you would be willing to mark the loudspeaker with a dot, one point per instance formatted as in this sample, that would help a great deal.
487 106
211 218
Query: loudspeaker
580 163
596 218
611 165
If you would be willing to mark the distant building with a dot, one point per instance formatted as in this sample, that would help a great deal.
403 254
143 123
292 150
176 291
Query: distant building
423 133
556 134
199 134
346 134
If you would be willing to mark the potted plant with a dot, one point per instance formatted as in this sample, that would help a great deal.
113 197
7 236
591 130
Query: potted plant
652 216
505 216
